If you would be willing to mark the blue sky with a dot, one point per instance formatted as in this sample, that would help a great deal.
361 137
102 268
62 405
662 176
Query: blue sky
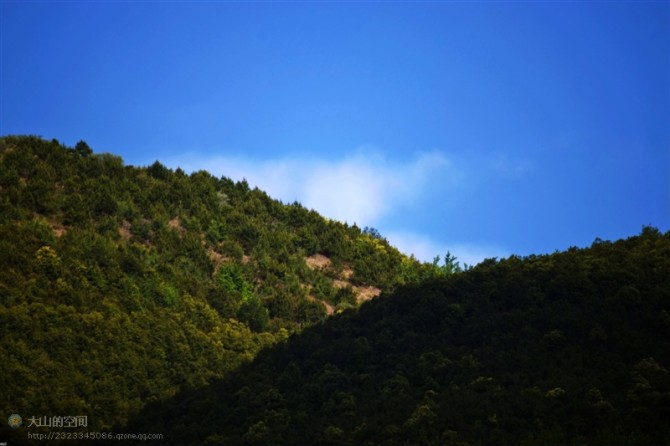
482 128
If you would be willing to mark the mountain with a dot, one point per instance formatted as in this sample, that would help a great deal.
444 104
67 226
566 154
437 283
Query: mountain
571 348
149 301
121 285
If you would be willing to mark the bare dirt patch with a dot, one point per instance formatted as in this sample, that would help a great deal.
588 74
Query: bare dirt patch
366 293
176 225
363 293
330 310
59 232
340 283
58 228
318 261
124 230
216 258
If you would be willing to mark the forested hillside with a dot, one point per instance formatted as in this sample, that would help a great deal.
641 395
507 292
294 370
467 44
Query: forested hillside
565 349
195 307
120 285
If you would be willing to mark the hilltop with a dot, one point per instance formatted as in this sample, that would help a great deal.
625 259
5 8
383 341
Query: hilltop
121 285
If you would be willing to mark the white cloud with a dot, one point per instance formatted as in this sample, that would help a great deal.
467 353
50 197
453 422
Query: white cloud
353 190
360 188
363 188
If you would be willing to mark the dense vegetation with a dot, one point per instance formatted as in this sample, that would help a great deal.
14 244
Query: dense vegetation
196 307
570 348
121 285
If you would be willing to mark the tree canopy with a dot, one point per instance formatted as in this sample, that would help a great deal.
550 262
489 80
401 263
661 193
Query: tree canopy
121 285
568 348
153 300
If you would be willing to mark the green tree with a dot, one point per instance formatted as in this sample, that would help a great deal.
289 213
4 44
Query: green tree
82 149
254 314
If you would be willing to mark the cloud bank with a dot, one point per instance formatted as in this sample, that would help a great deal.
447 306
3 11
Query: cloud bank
361 188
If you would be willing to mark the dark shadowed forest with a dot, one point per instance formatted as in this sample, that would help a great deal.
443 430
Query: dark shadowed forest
152 300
